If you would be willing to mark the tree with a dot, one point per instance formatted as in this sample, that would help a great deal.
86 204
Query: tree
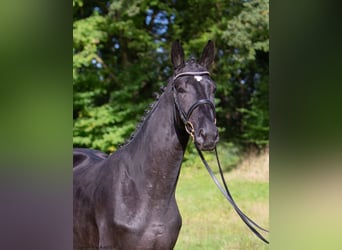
121 56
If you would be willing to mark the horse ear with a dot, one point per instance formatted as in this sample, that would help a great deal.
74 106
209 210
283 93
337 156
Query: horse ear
177 54
208 54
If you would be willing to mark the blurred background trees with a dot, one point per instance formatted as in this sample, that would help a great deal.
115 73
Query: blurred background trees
121 57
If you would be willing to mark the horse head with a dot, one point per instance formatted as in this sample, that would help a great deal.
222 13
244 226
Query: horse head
194 91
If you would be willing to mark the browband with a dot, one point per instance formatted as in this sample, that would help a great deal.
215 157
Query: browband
189 73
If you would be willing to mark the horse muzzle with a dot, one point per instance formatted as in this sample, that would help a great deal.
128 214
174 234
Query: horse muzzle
206 139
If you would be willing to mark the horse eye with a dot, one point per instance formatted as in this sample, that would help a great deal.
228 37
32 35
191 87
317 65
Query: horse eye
180 90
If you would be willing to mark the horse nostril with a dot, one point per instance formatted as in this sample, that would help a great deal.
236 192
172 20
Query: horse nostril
202 133
206 139
200 138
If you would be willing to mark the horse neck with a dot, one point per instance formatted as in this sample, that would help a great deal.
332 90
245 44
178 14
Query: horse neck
158 148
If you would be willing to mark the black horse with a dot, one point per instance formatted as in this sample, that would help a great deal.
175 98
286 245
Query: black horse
127 200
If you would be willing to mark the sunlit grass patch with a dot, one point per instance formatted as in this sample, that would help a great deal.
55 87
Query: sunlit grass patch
209 221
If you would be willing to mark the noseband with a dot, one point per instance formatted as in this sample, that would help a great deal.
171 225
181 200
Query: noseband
185 116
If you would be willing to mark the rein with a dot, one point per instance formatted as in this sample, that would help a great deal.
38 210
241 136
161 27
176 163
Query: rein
191 131
225 191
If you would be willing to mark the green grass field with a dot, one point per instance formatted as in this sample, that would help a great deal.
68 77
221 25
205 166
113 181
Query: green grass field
209 221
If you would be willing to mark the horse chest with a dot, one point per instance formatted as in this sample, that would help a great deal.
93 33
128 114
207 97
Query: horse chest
155 235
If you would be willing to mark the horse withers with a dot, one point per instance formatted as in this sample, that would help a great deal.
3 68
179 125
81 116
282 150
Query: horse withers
127 200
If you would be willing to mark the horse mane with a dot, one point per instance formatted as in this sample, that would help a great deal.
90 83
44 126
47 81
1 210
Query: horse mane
147 113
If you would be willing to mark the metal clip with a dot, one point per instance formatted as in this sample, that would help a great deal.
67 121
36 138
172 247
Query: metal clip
190 129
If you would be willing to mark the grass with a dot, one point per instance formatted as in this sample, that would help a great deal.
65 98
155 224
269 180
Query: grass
209 221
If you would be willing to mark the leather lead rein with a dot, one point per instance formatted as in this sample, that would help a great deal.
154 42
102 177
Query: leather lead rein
225 191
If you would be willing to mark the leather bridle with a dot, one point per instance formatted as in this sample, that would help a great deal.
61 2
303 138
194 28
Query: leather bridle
185 116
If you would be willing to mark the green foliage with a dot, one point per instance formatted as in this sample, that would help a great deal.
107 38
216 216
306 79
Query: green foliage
248 31
255 123
121 56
